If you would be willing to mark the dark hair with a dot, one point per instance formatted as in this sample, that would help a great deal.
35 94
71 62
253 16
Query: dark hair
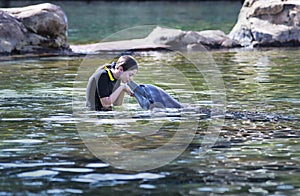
127 62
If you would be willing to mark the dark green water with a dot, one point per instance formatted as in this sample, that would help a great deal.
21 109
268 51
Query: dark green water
100 19
94 21
44 127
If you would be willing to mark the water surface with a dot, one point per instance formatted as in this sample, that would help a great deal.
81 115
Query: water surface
93 21
42 151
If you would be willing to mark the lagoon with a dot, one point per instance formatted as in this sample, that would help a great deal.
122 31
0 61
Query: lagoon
43 122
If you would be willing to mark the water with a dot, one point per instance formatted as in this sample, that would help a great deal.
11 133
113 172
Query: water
94 21
43 148
42 151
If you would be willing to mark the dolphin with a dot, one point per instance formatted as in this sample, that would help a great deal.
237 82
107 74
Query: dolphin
149 96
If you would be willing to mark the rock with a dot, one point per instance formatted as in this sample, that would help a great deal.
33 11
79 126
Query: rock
161 39
219 38
268 23
189 40
117 46
10 40
195 47
36 28
168 37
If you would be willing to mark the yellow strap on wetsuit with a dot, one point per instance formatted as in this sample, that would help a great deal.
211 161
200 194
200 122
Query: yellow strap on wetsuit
109 74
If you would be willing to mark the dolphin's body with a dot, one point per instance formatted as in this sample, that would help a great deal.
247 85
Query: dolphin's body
150 96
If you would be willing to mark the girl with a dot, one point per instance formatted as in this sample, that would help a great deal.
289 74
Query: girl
104 88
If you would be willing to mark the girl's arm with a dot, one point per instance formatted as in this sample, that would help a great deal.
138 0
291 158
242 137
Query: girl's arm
117 96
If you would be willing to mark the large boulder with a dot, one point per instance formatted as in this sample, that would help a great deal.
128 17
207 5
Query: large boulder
268 23
36 28
12 33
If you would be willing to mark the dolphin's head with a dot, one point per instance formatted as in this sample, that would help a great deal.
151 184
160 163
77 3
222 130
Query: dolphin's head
144 99
150 96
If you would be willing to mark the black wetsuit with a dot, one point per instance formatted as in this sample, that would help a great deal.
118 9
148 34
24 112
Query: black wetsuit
101 84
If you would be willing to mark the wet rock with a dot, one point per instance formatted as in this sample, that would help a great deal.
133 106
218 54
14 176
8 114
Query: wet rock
268 23
34 28
190 40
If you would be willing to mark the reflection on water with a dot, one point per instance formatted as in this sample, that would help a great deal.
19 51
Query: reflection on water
43 153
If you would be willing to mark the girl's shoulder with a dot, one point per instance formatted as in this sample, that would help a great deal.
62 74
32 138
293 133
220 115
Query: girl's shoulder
103 67
103 72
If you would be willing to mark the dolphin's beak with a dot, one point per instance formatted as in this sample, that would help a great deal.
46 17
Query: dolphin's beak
143 98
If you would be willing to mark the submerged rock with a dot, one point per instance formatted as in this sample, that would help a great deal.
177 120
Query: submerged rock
268 23
36 28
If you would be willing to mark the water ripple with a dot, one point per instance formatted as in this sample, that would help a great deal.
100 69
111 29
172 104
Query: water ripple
97 165
110 177
75 170
24 141
22 165
37 174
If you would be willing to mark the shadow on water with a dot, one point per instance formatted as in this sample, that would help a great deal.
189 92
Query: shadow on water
42 151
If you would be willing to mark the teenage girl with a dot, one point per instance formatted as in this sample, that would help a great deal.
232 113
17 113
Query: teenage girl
105 89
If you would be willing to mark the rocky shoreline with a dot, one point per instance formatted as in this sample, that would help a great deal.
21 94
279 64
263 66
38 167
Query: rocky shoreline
40 29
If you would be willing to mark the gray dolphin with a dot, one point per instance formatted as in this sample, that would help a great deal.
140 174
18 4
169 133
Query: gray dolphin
150 96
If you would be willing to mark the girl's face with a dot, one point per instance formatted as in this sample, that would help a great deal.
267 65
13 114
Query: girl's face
126 76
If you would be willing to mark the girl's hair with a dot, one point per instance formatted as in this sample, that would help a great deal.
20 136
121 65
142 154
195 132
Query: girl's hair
127 62
102 67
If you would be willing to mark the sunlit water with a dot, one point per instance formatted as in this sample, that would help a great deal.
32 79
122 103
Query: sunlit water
42 140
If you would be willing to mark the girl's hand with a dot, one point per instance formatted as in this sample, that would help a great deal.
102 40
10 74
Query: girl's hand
127 89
